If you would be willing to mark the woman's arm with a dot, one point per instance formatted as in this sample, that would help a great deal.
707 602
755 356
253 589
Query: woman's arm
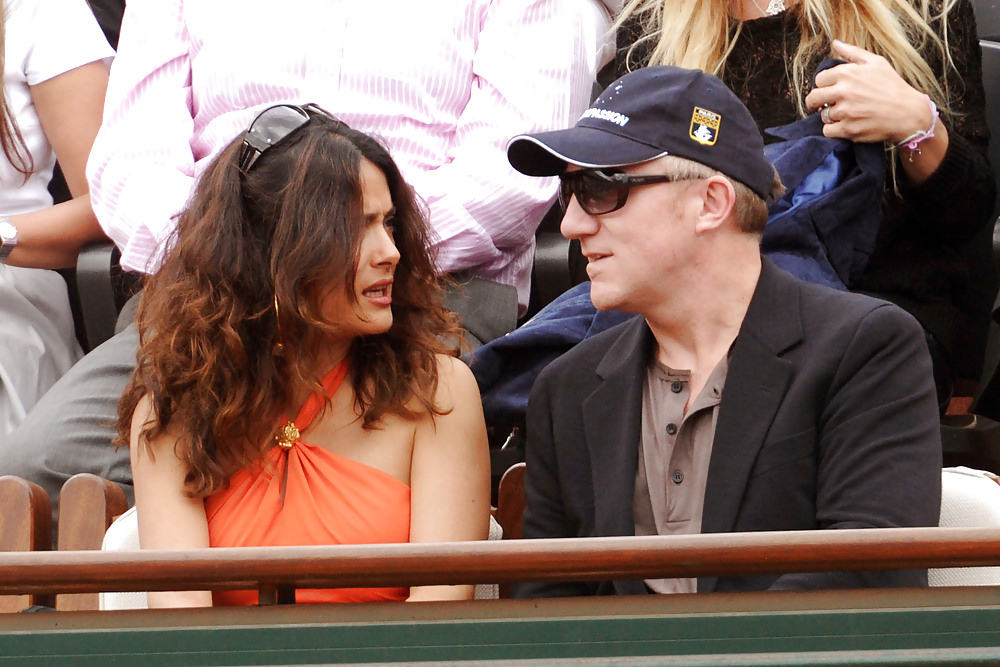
868 101
168 518
69 107
450 472
948 187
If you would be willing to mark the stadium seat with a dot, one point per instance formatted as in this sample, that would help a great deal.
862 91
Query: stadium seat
969 499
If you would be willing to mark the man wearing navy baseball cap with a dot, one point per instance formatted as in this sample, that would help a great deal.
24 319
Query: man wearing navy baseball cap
742 399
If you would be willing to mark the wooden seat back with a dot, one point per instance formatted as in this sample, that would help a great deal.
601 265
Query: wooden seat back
25 525
87 506
510 502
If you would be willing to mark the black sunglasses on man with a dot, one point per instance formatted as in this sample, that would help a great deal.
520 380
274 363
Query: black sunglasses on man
600 191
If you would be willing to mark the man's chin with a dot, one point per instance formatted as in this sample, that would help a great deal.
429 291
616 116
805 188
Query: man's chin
603 300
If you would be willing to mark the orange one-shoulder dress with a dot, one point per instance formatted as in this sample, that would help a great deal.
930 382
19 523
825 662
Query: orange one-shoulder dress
328 499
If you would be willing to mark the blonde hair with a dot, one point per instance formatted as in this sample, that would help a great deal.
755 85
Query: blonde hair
689 33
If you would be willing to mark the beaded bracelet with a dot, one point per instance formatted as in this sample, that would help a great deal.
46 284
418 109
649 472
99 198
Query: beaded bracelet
912 142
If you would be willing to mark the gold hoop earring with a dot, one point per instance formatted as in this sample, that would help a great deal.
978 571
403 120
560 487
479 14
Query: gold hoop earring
279 347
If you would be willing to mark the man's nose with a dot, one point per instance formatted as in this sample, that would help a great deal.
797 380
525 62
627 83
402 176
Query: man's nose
577 223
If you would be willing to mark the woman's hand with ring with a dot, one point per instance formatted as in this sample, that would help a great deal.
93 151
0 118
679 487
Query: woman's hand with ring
873 103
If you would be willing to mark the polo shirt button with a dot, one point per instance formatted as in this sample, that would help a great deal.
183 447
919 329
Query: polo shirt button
678 477
671 429
676 386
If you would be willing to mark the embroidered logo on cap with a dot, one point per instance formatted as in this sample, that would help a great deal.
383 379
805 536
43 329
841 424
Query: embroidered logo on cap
704 126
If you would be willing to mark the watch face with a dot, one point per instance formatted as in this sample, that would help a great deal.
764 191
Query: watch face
8 232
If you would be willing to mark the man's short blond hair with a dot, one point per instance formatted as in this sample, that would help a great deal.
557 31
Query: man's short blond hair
749 212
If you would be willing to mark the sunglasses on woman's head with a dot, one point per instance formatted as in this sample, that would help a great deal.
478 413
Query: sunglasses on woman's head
272 126
600 191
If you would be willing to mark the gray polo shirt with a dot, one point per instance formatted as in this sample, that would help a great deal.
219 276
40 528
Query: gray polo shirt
674 453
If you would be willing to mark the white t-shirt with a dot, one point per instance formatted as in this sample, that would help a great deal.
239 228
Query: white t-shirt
43 39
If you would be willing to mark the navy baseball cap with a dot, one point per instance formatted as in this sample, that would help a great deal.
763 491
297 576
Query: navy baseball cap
649 113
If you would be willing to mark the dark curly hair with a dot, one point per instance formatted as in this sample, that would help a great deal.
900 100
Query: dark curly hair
288 230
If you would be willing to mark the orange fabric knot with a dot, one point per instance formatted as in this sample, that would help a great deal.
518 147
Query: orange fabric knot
287 435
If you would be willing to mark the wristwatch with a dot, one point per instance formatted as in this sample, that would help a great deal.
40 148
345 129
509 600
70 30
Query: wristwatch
8 237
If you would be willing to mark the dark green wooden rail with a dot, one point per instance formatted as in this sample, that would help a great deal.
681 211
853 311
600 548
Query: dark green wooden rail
936 626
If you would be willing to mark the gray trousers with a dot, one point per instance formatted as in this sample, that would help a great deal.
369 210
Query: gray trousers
70 429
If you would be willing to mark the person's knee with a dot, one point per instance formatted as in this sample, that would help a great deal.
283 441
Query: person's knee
71 429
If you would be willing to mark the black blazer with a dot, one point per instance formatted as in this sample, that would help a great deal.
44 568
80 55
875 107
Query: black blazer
828 420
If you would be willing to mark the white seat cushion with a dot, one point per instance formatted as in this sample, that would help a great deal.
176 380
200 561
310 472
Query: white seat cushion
123 535
490 591
969 499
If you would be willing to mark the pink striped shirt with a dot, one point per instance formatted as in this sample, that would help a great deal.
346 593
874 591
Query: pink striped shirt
445 84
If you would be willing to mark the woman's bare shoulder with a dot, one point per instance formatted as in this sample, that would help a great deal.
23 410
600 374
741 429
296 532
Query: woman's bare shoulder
143 417
456 383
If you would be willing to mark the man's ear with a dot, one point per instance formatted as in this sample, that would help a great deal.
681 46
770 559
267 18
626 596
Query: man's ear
718 201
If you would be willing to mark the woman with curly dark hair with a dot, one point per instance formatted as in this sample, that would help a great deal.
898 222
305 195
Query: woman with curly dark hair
293 386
